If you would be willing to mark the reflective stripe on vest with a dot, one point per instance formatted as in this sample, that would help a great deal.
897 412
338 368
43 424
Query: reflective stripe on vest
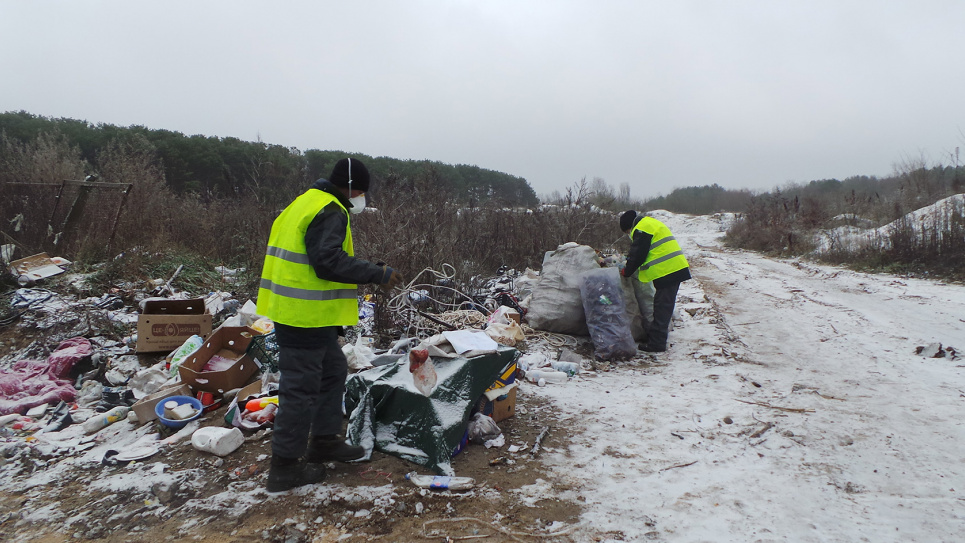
290 292
665 256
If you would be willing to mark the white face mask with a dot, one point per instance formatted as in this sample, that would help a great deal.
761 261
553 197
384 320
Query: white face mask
358 204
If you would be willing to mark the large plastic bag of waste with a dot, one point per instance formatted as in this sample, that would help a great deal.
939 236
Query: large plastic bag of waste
606 315
639 297
556 305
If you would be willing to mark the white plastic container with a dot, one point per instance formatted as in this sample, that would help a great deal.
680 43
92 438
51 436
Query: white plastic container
217 440
441 482
536 376
101 420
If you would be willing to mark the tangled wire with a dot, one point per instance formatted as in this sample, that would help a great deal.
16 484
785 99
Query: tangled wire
455 309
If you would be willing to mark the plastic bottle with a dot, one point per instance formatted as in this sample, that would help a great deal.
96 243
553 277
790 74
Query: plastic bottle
217 440
441 482
97 422
547 376
186 349
570 368
260 403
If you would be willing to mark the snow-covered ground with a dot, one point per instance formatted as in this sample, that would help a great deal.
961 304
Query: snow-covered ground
791 406
855 238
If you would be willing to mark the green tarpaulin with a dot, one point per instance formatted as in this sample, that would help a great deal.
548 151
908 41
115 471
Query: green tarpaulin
388 413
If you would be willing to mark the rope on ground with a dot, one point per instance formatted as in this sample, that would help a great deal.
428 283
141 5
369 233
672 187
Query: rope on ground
514 535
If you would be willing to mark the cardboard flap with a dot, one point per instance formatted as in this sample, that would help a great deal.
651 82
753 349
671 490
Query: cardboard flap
194 306
38 266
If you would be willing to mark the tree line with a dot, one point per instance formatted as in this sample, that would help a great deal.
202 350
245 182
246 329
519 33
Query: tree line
216 167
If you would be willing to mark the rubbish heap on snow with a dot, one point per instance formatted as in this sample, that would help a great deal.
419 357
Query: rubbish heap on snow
207 366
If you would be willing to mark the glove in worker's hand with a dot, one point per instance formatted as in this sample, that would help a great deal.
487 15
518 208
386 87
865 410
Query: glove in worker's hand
394 280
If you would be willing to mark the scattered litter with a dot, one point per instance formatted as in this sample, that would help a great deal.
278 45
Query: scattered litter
539 440
217 440
31 269
483 428
441 482
96 423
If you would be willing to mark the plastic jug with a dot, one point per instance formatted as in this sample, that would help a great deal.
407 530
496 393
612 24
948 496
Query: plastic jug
217 440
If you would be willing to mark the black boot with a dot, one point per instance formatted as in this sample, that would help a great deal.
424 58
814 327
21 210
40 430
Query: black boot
328 448
288 473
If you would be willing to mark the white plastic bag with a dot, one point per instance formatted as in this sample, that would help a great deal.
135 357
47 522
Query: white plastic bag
483 428
359 355
507 334
423 371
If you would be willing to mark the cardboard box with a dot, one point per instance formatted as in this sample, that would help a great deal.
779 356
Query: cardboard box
37 267
506 377
500 405
164 325
144 408
230 342
500 408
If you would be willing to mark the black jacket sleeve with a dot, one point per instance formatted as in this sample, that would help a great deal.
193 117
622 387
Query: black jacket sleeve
639 249
323 241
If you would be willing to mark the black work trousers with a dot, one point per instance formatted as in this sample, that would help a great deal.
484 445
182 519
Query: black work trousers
658 329
310 393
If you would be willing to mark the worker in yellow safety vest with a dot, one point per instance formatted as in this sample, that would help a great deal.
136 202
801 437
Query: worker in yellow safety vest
658 257
308 288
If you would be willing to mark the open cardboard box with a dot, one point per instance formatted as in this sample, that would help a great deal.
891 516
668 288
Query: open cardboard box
144 408
499 400
164 325
230 342
37 267
501 407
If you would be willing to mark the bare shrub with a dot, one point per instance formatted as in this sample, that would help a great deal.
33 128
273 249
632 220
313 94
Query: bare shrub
30 178
775 224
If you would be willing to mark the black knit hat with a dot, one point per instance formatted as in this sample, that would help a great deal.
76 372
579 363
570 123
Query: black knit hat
626 220
359 174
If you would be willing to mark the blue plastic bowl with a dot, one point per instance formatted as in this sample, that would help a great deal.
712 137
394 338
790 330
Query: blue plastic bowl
159 410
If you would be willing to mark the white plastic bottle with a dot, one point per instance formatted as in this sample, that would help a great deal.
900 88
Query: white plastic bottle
570 368
536 376
217 440
441 482
101 420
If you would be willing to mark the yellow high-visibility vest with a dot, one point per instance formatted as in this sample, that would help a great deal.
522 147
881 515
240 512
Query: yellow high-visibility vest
290 291
665 256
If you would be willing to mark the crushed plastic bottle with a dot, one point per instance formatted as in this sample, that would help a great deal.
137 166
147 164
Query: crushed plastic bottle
570 368
97 422
441 482
186 349
535 376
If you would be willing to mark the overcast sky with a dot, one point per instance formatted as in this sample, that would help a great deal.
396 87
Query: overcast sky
658 95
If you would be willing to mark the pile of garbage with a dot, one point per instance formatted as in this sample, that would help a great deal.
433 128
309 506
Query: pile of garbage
149 373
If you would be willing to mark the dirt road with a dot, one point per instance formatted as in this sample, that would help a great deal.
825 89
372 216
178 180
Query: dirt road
792 406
